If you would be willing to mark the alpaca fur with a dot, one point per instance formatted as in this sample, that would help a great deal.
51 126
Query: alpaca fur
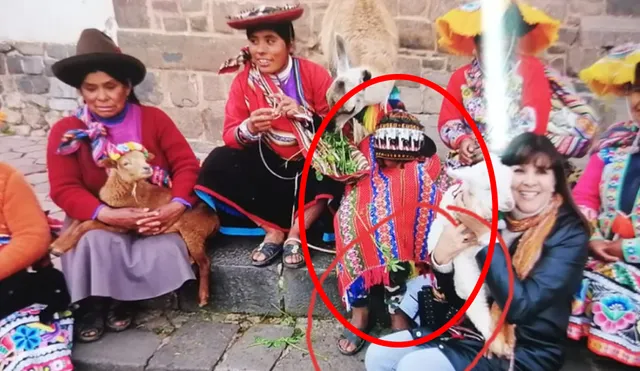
127 186
472 185
359 40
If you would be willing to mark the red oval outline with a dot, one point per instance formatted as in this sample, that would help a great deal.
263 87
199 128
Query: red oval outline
303 182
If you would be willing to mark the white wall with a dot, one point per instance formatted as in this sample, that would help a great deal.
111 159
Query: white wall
54 21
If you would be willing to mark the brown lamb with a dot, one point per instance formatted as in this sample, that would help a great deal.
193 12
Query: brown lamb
127 186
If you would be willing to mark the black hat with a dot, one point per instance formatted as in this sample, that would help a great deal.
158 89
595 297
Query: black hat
94 50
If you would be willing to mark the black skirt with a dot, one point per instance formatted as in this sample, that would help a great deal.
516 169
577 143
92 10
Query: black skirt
245 192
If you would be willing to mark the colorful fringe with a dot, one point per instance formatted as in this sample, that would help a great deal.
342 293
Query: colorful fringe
608 75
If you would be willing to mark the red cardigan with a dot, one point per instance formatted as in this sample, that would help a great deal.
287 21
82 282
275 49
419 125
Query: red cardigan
76 180
536 93
315 83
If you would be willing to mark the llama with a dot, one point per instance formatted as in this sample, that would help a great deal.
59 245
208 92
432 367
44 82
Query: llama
127 186
359 40
472 185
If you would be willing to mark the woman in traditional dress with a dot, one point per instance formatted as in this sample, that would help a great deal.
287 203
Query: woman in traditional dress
538 99
254 179
606 309
404 170
35 334
120 267
547 238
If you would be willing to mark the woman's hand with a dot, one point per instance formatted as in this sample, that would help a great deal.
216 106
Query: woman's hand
476 226
452 241
166 216
260 120
469 152
126 217
287 106
609 251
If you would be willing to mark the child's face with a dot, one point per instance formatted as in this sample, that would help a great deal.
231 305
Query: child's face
392 163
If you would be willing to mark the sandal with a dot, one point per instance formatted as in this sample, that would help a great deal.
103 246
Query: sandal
353 339
90 327
270 250
292 247
119 316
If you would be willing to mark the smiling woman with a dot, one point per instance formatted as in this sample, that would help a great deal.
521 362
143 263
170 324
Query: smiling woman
253 181
119 267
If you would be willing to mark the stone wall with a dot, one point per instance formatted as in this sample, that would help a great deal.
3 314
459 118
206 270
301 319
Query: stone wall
183 42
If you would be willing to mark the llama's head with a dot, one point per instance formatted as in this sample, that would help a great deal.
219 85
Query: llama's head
131 165
476 186
347 77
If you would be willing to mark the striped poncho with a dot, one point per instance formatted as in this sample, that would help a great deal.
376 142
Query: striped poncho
394 192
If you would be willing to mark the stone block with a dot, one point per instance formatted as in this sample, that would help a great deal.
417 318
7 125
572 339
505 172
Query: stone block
599 31
5 47
392 6
131 14
560 64
554 8
587 7
59 89
434 63
23 131
438 8
33 117
14 64
236 285
216 87
213 121
166 6
12 117
33 84
47 67
39 100
59 51
415 34
243 355
457 61
32 65
3 64
303 26
196 346
412 66
579 58
175 24
14 100
568 35
432 101
438 77
413 8
220 10
199 23
412 98
623 8
202 53
125 351
324 336
188 120
150 89
52 117
30 48
62 104
298 289
183 89
191 5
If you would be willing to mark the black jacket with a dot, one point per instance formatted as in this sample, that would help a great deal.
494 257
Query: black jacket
541 304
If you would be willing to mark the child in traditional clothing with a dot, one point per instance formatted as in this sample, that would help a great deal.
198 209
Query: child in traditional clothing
404 170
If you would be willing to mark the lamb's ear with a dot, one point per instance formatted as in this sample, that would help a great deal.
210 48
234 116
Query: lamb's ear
341 59
150 156
109 163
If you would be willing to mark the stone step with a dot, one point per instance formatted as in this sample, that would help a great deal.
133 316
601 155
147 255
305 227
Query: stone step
239 287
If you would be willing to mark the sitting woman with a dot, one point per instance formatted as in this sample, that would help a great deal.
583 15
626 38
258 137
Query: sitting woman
254 179
121 267
546 225
404 170
35 332
607 307
539 101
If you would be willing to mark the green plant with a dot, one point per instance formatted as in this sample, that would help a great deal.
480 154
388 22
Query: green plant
393 263
338 153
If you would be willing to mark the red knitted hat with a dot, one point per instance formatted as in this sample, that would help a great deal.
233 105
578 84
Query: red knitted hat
265 14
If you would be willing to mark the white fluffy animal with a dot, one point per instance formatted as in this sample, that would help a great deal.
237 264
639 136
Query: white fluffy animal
359 40
475 192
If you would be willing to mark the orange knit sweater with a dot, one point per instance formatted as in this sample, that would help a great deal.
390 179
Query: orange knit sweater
22 218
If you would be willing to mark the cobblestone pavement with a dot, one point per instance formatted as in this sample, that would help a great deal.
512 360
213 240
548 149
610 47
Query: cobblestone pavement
168 339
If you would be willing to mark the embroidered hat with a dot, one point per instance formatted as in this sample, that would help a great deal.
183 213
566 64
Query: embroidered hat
265 14
459 27
610 74
96 50
400 136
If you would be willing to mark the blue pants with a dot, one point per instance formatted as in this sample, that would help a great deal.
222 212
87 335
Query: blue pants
381 358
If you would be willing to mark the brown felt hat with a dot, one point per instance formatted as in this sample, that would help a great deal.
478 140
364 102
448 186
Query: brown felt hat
97 51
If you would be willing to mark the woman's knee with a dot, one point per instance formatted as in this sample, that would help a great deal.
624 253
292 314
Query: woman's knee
429 356
383 358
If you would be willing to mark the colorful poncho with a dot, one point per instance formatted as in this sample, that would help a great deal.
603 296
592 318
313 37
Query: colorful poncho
385 192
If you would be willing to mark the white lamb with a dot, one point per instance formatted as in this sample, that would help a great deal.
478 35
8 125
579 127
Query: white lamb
472 185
